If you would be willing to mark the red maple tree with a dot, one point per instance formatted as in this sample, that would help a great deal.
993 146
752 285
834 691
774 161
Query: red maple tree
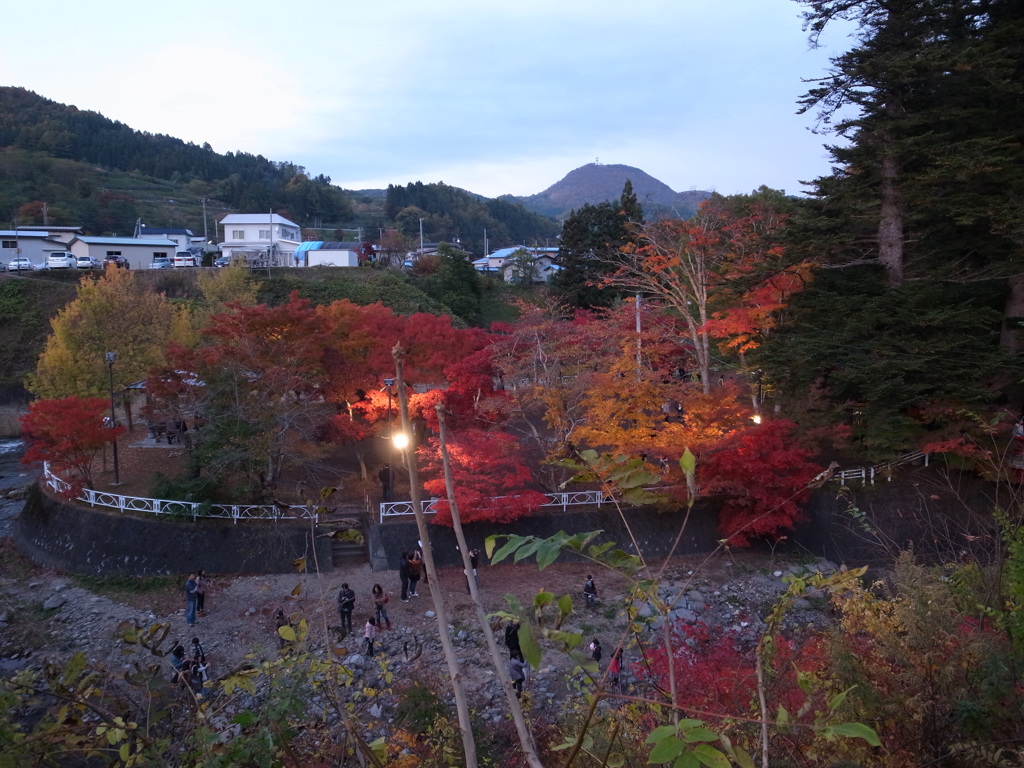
762 476
491 481
68 433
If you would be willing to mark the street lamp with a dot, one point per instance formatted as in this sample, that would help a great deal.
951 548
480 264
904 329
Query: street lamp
111 357
400 441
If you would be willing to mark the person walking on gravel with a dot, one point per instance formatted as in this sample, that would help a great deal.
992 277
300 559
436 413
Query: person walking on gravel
346 604
191 600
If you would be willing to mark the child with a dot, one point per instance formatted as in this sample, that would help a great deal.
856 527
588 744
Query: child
370 634
615 667
199 658
518 671
595 650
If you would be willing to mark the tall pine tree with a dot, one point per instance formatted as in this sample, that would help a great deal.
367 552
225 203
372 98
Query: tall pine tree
592 238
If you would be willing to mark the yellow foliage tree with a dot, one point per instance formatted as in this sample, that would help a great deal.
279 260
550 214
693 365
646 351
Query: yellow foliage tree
220 287
112 314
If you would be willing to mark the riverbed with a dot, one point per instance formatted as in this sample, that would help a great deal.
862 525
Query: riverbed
13 474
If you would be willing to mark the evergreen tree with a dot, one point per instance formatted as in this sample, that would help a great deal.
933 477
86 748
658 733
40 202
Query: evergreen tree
592 239
930 101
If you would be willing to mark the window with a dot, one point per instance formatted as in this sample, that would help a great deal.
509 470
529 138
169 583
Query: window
238 234
159 254
264 234
113 253
9 244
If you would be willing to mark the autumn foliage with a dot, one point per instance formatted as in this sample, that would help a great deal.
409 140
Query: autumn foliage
68 433
762 476
489 477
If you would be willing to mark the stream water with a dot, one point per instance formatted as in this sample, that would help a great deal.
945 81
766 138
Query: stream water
12 475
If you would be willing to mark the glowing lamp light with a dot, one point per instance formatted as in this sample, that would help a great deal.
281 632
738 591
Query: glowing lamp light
756 418
401 440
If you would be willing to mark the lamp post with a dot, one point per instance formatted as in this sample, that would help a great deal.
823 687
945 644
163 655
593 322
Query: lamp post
111 357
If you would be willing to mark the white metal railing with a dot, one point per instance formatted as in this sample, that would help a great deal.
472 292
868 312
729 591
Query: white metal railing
563 500
868 474
191 509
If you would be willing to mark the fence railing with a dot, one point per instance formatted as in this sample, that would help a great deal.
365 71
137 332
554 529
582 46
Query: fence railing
174 508
563 500
868 474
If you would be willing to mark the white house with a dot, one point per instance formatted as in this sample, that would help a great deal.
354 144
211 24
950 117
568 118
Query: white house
138 251
265 239
33 245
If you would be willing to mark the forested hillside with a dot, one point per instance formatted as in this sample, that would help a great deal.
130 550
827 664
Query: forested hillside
102 174
453 215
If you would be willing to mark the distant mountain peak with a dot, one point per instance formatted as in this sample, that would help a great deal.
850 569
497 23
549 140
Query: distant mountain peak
596 183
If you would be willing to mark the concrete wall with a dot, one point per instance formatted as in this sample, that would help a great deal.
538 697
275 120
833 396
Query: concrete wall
80 539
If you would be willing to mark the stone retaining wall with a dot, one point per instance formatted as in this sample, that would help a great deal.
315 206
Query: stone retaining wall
71 537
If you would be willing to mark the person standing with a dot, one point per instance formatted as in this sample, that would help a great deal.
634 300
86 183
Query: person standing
370 634
403 575
590 591
519 671
415 571
512 639
474 561
191 600
387 480
615 667
380 599
201 584
595 651
346 604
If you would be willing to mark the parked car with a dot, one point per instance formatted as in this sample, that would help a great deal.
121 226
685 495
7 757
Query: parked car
119 261
222 261
19 263
160 262
61 260
184 259
88 262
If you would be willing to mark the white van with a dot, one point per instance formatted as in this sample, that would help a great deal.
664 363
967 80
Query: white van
184 259
61 260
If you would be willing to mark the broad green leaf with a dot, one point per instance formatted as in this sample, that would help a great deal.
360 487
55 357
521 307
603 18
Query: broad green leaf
547 553
857 731
287 633
529 646
699 734
510 546
686 760
565 605
666 750
743 760
489 543
543 599
711 757
688 462
661 732
245 719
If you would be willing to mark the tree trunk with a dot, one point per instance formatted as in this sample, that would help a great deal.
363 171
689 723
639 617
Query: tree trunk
525 736
454 671
890 225
1013 316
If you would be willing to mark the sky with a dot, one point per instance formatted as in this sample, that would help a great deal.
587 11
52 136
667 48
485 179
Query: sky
496 98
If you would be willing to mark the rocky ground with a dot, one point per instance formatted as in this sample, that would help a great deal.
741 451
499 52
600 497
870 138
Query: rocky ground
46 615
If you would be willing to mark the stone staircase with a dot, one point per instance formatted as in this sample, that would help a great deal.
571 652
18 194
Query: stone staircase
345 552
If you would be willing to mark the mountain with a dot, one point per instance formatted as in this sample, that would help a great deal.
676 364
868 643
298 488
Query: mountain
595 183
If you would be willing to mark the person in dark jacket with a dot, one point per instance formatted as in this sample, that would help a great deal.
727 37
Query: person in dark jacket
403 575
